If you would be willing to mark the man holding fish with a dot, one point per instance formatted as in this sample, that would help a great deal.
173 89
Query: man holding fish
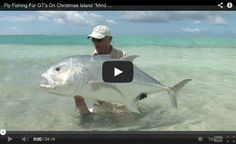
81 76
101 37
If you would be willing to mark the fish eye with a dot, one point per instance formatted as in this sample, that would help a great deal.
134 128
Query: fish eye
57 68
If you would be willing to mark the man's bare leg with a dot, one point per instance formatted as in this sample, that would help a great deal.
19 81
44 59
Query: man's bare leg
80 104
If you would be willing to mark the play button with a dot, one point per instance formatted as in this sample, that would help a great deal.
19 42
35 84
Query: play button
9 139
117 71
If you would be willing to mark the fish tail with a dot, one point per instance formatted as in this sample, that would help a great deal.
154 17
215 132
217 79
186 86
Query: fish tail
173 90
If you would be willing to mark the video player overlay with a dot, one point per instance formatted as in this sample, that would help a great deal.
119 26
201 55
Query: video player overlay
124 72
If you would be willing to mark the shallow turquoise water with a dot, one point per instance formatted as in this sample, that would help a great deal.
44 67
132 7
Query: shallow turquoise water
207 103
71 40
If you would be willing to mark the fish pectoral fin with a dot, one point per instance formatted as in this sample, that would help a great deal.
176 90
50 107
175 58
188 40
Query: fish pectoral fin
141 96
89 103
96 85
129 58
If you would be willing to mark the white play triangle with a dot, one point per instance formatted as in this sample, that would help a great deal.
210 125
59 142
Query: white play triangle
117 71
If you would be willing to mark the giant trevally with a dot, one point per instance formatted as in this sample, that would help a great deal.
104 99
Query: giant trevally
82 75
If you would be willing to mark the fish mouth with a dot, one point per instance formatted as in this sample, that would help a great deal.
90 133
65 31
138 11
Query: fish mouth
49 83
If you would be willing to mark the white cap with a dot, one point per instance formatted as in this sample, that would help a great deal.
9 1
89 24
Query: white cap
100 32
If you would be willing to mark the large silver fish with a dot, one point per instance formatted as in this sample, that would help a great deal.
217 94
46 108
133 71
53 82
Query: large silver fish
82 75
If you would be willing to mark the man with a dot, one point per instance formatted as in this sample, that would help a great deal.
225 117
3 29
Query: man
101 37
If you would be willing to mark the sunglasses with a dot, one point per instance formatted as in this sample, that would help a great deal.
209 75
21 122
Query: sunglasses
96 40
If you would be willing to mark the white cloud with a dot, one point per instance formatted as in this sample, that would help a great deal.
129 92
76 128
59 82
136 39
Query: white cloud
163 16
72 17
59 20
61 17
11 31
217 20
26 18
14 29
192 30
144 16
197 21
42 18
170 16
110 21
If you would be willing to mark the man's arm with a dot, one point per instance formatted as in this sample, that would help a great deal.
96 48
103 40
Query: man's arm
80 104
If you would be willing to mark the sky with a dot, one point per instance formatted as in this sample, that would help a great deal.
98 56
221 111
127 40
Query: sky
160 23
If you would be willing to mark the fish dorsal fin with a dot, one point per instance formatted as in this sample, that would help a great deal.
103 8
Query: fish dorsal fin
89 103
129 58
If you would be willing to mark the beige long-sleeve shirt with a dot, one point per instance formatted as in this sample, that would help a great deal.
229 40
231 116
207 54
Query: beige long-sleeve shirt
115 53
